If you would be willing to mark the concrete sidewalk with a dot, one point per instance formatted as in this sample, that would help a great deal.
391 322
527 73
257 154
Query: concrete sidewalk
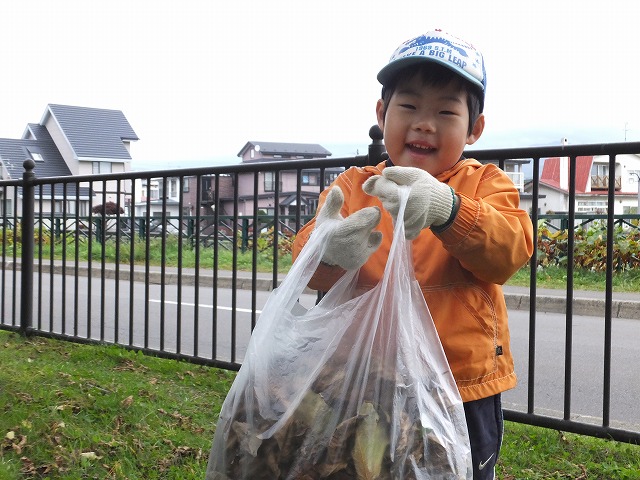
591 303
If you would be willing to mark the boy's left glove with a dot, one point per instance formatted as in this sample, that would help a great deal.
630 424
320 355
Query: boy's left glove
430 202
353 238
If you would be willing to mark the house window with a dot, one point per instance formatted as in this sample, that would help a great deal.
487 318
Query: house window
185 184
35 155
589 206
600 169
101 167
151 189
329 178
173 188
266 211
309 179
6 207
269 181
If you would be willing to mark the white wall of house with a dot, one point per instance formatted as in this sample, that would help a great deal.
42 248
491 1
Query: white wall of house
552 200
629 171
63 145
153 188
626 175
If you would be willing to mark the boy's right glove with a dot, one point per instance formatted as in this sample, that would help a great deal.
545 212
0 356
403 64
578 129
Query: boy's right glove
430 202
352 240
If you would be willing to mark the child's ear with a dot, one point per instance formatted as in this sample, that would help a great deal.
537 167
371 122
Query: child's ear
477 130
380 114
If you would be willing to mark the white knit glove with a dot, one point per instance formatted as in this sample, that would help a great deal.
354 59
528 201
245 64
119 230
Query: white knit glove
352 240
430 201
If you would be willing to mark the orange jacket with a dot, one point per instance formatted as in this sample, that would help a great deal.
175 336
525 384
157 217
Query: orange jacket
460 270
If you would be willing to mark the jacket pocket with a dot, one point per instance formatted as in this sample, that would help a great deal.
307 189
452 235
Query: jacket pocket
466 320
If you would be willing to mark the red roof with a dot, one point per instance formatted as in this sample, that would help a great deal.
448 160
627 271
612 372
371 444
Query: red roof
551 173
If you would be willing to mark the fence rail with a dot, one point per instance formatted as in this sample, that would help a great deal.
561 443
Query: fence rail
57 279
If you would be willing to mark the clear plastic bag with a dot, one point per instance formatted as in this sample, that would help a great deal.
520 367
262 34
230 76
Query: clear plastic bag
355 387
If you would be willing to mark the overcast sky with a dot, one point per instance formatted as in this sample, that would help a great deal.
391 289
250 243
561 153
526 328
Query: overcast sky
198 79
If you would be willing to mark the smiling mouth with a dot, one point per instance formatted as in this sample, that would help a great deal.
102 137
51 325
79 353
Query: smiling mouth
420 148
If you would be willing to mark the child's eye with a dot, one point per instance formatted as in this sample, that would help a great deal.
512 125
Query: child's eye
447 112
408 105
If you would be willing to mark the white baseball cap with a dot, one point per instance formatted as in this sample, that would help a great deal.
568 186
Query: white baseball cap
443 48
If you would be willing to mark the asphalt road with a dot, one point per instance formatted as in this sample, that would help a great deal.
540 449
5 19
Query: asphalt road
189 331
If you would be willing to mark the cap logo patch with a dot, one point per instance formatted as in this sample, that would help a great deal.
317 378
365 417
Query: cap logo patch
424 43
443 48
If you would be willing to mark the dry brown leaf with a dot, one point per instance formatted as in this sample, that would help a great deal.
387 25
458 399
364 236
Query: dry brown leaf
128 365
127 402
182 419
17 444
371 443
23 397
249 441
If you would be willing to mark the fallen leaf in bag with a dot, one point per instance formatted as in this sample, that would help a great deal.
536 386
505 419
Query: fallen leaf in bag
323 438
370 444
341 442
311 409
249 442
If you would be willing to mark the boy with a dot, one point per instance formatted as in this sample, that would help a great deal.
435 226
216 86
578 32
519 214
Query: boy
469 235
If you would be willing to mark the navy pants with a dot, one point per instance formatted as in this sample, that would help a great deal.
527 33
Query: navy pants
485 425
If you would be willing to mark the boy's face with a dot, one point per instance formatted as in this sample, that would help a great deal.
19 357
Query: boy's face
427 126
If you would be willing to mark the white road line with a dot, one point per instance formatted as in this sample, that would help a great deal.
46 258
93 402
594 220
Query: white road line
185 304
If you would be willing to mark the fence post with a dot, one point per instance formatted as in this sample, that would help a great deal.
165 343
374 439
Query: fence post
28 220
142 228
377 151
100 227
191 230
245 235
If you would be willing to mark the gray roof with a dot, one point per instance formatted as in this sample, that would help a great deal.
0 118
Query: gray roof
308 150
93 132
13 153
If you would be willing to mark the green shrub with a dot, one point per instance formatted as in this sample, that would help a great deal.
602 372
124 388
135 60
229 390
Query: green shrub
590 247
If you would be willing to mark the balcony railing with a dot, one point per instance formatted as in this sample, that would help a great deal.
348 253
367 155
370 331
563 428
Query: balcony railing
601 182
518 179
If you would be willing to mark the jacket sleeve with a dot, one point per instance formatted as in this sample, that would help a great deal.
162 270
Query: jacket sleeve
491 236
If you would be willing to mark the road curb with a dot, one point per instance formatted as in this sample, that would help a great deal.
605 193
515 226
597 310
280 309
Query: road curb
581 306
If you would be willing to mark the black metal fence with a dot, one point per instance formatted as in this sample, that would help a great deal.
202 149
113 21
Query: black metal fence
155 283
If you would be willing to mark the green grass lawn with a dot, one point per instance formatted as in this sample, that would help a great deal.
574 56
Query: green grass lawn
73 411
556 277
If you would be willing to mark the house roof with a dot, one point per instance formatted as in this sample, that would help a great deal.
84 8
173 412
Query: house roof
13 153
93 133
309 150
551 173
